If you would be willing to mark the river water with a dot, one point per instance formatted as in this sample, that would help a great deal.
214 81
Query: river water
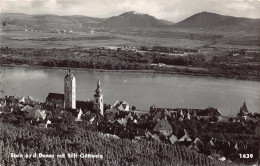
141 90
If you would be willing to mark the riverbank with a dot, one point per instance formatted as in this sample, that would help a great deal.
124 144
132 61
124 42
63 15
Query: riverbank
133 62
128 71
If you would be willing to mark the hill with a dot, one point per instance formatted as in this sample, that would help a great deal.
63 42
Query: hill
48 22
19 21
206 19
133 19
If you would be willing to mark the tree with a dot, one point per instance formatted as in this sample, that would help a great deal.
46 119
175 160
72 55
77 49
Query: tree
133 108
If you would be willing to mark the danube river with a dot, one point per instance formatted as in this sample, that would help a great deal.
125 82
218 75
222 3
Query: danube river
141 90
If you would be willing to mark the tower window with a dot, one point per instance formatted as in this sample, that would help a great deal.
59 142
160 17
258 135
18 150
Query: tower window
96 100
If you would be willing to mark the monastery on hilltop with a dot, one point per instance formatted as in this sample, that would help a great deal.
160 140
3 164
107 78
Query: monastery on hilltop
68 100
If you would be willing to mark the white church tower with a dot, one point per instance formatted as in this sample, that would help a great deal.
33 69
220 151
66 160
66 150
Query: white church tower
70 91
98 100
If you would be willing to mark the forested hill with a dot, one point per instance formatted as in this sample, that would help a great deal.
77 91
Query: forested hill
206 19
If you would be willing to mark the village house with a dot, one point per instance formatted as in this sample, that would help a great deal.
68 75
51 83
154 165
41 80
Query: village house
196 145
56 99
164 127
153 135
118 106
185 138
173 139
39 114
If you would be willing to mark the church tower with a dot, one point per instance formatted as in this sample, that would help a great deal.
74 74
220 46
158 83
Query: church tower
98 99
70 91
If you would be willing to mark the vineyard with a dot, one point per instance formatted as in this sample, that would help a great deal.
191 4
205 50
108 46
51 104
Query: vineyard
81 139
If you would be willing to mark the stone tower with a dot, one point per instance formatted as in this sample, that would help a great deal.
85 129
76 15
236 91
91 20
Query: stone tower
98 100
69 91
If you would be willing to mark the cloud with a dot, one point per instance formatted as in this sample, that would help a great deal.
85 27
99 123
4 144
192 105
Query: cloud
174 10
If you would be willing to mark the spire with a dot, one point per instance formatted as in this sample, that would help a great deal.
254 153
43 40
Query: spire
69 74
98 90
244 108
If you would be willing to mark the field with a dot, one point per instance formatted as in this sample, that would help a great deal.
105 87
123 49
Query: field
175 37
215 56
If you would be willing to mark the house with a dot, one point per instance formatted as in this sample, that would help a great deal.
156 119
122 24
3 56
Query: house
27 108
119 106
31 101
196 145
29 111
173 139
208 113
187 116
55 99
185 137
122 105
91 120
154 135
79 115
181 117
22 100
122 121
158 116
20 106
39 114
210 146
164 127
211 143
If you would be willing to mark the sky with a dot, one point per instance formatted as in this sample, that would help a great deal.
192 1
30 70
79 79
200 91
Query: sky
172 10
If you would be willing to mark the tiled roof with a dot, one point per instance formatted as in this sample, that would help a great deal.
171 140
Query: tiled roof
163 125
55 96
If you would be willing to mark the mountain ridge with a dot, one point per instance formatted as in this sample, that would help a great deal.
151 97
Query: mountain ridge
133 19
126 19
206 19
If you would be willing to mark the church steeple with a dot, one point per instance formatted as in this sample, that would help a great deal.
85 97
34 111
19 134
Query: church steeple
98 90
69 91
98 99
243 109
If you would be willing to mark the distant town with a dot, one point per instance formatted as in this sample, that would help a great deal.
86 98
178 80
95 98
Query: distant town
120 120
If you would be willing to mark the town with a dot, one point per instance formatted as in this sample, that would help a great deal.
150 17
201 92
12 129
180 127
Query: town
205 131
